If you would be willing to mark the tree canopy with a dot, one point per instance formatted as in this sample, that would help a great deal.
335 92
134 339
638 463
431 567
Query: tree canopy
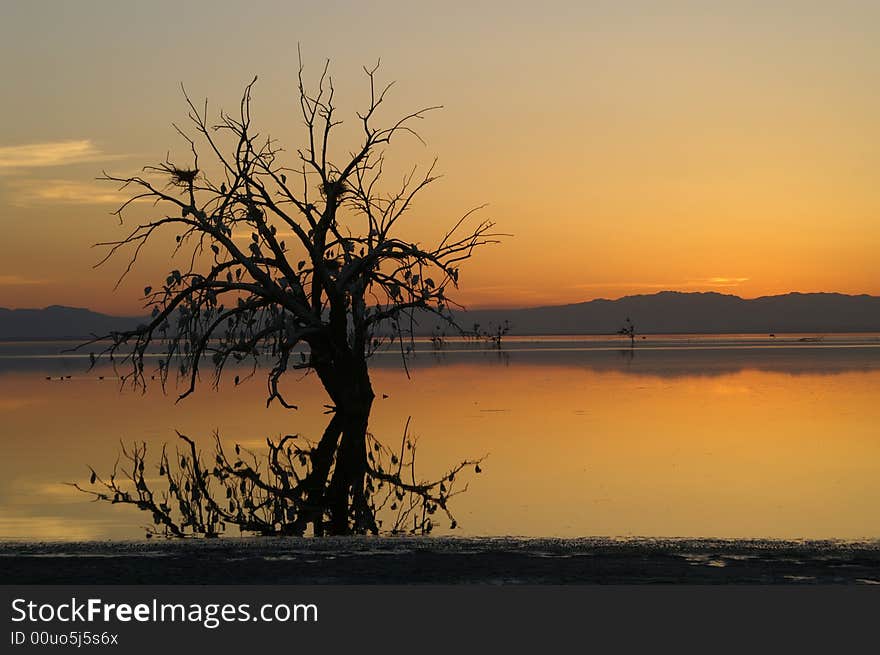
294 263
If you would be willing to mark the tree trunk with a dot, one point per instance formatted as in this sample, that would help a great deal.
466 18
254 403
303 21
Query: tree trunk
352 393
316 482
349 507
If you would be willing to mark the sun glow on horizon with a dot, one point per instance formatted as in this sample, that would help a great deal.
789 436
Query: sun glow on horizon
628 150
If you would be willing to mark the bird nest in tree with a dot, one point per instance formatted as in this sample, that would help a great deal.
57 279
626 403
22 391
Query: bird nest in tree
334 188
183 176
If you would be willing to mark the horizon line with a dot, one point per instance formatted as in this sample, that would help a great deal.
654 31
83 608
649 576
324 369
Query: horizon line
527 307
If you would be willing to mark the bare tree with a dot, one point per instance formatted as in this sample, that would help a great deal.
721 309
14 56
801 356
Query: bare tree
495 333
323 281
628 330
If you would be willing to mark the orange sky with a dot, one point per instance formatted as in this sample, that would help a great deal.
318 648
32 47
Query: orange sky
628 149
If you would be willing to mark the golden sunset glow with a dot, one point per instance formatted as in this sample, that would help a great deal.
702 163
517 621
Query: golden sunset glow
668 146
788 452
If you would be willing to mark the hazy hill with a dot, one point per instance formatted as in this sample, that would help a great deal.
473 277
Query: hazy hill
664 312
675 312
58 322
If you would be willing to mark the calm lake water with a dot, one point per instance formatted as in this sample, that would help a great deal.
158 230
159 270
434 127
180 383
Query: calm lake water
711 436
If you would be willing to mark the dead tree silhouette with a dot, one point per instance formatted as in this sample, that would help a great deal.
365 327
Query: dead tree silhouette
298 267
629 330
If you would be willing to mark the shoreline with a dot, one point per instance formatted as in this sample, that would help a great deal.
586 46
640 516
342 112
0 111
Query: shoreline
442 560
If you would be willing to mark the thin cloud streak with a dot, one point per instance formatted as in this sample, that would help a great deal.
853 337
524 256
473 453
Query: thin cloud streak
51 153
30 192
17 281
700 282
726 281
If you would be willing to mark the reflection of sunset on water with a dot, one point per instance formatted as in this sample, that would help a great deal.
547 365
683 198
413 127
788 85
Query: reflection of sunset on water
578 444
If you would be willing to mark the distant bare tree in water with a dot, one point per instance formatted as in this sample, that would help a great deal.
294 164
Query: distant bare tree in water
629 330
493 335
299 267
438 338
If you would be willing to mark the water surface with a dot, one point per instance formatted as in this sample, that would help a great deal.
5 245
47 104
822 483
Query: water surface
735 436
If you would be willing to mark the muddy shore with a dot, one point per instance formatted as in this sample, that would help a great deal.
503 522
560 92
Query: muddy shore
441 561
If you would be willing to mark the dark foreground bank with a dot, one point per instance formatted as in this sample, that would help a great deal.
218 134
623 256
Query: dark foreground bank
442 561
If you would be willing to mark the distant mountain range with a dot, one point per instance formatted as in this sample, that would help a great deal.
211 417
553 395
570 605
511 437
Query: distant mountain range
673 312
58 322
664 312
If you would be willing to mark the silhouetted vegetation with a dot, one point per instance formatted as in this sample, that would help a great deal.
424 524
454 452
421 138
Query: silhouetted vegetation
438 338
293 266
629 330
495 333
193 494
491 335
